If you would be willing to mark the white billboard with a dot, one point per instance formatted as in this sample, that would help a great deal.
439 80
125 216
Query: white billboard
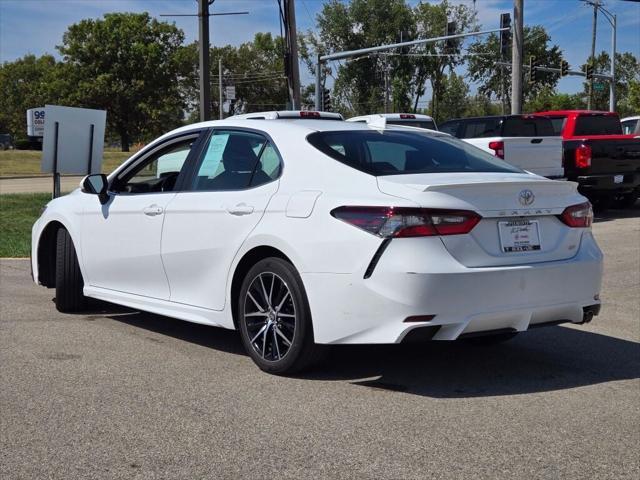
78 142
35 122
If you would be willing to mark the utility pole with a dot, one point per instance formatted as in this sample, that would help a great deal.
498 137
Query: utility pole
386 84
220 102
594 26
292 45
516 57
612 83
203 54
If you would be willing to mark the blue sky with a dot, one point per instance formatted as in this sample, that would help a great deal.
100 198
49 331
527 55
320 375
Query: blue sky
36 26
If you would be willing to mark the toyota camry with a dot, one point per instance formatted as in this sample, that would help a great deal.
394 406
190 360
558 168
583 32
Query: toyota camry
302 233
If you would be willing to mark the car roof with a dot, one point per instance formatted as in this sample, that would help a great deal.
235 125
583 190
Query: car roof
392 116
635 117
290 115
287 127
573 112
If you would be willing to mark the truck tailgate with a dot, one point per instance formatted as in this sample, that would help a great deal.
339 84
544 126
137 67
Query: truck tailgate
540 155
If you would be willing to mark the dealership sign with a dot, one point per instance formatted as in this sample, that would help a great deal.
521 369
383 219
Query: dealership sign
35 122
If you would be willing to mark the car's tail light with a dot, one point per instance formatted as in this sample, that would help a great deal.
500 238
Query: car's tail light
498 149
578 216
583 156
407 116
397 222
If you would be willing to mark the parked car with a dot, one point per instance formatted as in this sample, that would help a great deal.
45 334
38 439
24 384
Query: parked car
6 142
525 141
302 234
604 162
406 119
631 125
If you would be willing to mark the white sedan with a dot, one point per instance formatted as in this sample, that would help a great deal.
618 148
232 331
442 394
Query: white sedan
305 233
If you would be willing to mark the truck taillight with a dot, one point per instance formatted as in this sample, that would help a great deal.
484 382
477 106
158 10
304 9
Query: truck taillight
578 216
498 149
397 222
583 156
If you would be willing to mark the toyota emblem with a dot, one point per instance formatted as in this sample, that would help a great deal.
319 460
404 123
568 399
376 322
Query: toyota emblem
526 197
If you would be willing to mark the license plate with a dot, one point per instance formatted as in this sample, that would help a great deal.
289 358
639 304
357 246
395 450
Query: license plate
519 235
618 178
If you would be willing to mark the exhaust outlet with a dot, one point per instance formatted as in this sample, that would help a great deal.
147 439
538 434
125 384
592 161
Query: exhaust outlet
589 312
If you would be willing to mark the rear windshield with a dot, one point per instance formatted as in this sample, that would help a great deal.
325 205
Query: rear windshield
598 125
414 123
527 127
393 152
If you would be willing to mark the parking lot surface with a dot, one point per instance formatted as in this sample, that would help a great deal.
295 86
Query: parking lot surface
121 394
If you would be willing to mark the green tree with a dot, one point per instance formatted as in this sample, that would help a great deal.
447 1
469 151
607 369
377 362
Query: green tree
633 98
431 21
27 83
360 83
126 63
454 99
549 99
496 81
627 71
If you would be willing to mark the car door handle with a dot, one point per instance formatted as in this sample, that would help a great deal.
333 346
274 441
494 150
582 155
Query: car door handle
240 209
153 210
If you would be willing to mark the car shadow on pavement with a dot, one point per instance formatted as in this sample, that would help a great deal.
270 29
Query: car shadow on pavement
553 358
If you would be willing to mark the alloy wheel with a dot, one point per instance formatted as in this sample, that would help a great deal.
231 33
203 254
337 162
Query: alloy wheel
270 316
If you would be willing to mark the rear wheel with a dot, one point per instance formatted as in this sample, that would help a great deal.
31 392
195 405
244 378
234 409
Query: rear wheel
69 282
275 320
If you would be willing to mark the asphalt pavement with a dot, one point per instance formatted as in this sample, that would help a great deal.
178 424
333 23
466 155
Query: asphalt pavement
121 394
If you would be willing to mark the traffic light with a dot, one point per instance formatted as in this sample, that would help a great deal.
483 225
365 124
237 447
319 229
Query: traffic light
533 70
505 35
564 68
326 100
588 70
450 44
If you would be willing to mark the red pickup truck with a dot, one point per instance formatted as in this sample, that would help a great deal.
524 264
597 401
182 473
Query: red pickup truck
604 162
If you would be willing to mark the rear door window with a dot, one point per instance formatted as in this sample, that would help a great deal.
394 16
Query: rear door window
527 127
450 127
482 127
396 152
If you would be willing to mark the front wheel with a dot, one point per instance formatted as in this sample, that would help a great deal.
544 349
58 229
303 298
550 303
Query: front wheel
69 282
275 320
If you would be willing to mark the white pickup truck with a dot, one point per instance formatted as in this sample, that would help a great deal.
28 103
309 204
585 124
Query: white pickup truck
525 141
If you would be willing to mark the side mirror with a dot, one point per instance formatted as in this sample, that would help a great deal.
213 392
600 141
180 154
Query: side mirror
96 184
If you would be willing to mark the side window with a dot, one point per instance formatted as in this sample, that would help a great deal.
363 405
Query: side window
235 160
158 172
450 127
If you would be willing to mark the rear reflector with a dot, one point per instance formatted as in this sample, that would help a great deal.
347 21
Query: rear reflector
402 222
498 149
306 114
578 216
583 156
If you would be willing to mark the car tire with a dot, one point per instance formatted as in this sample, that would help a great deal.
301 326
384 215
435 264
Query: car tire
486 340
626 201
274 319
69 282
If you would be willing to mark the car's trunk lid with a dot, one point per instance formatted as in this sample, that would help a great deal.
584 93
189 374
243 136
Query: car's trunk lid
508 203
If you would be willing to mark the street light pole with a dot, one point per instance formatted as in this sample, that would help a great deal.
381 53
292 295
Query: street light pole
516 57
203 54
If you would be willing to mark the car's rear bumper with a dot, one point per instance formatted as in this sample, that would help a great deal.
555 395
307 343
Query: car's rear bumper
607 183
418 279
